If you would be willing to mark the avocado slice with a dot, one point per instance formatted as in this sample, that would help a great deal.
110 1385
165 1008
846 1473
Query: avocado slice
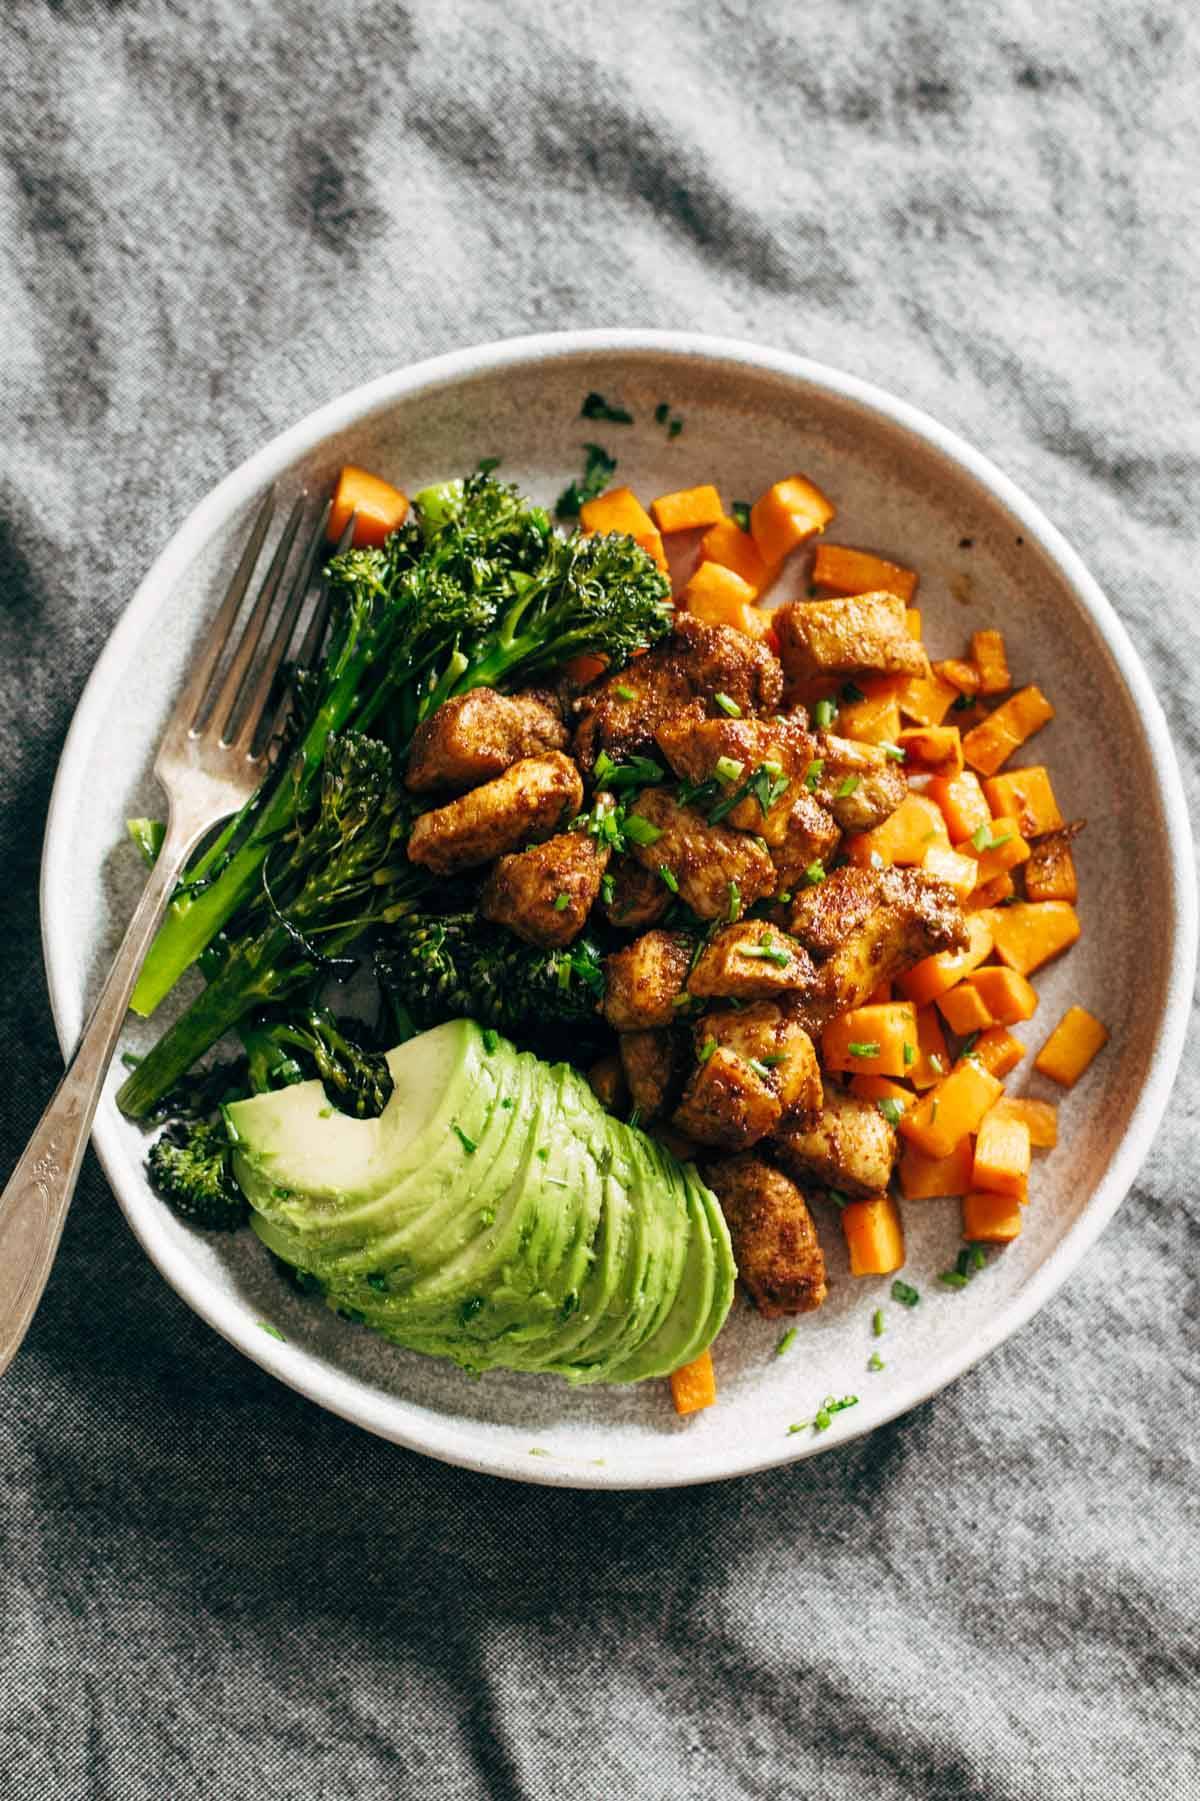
681 1333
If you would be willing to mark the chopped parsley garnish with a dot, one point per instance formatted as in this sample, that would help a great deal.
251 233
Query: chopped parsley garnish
767 951
667 877
824 713
875 1361
675 427
863 1047
953 1278
735 901
728 769
894 751
728 706
846 787
814 873
596 407
983 838
877 1322
561 903
624 693
661 413
706 1050
596 474
264 1325
969 1043
740 509
642 831
906 1295
634 772
910 1055
608 888
813 774
891 1109
760 1069
786 1342
468 1144
491 1038
486 465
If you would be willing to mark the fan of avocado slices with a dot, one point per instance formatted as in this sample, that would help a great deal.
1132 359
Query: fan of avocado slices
493 1214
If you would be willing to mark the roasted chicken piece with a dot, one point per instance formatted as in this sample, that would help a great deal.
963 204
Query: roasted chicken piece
751 961
774 1240
638 897
648 1060
866 632
532 800
756 1067
849 1146
869 925
607 1079
687 670
811 836
718 872
644 980
860 784
545 893
478 735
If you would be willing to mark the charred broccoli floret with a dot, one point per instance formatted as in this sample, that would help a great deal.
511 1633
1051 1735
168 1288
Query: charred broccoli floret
189 1168
282 1051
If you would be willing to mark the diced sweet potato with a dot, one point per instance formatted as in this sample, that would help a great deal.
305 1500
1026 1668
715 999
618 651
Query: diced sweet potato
719 596
1002 1155
1050 871
990 1218
926 699
952 1110
964 677
875 719
964 1009
963 803
1029 933
990 743
872 1040
1026 796
1077 1038
727 545
620 510
847 571
1005 994
951 867
997 1050
687 509
932 1059
991 659
376 506
694 1385
1041 1117
935 975
932 749
999 848
789 513
925 1178
874 1236
903 838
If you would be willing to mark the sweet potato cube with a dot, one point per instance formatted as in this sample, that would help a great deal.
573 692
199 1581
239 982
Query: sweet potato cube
926 699
620 510
788 514
951 867
934 975
924 1178
932 749
903 838
997 1050
376 506
952 1110
912 622
880 1088
1005 993
1050 871
990 1218
932 1059
729 546
875 719
962 676
874 1236
719 596
687 509
998 848
1026 796
1077 1038
1029 933
991 659
694 1385
868 1040
963 803
1041 1117
847 571
1002 1155
990 894
964 1009
991 742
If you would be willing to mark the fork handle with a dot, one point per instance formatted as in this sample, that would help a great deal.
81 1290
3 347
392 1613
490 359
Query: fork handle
34 1205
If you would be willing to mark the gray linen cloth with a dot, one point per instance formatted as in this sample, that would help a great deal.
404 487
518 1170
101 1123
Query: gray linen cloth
217 215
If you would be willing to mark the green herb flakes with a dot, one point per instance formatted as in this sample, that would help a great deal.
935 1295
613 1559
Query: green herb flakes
468 1144
904 1293
728 706
786 1342
596 407
740 511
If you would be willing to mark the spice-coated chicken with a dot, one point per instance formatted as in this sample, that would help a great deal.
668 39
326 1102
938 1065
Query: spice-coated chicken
717 872
530 801
545 893
779 1258
849 1146
478 735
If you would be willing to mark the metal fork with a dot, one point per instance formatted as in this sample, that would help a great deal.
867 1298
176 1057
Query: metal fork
211 759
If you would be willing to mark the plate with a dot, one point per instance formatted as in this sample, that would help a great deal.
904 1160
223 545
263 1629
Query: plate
987 556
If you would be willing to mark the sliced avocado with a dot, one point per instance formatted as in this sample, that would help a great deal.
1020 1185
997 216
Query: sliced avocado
681 1333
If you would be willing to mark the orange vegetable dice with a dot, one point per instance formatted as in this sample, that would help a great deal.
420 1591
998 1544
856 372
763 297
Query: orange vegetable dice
963 803
964 1009
952 1110
846 571
990 1218
1050 871
932 750
1026 796
694 1385
934 975
874 1236
1041 1117
924 1178
990 743
991 659
1002 1155
1005 993
880 1088
620 510
378 507
958 872
1077 1038
687 509
875 719
997 1050
1001 850
879 996
962 676
720 597
1029 933
992 893
912 622
904 837
727 544
872 1040
927 699
932 1059
790 512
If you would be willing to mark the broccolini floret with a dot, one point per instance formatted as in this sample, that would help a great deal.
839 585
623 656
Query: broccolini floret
281 1051
189 1168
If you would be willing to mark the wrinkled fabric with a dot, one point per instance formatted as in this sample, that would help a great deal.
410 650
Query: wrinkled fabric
215 216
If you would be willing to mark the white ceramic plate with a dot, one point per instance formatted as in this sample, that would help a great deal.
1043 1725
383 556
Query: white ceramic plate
987 556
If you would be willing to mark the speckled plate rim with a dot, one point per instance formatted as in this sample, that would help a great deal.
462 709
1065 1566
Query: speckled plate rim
466 1444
